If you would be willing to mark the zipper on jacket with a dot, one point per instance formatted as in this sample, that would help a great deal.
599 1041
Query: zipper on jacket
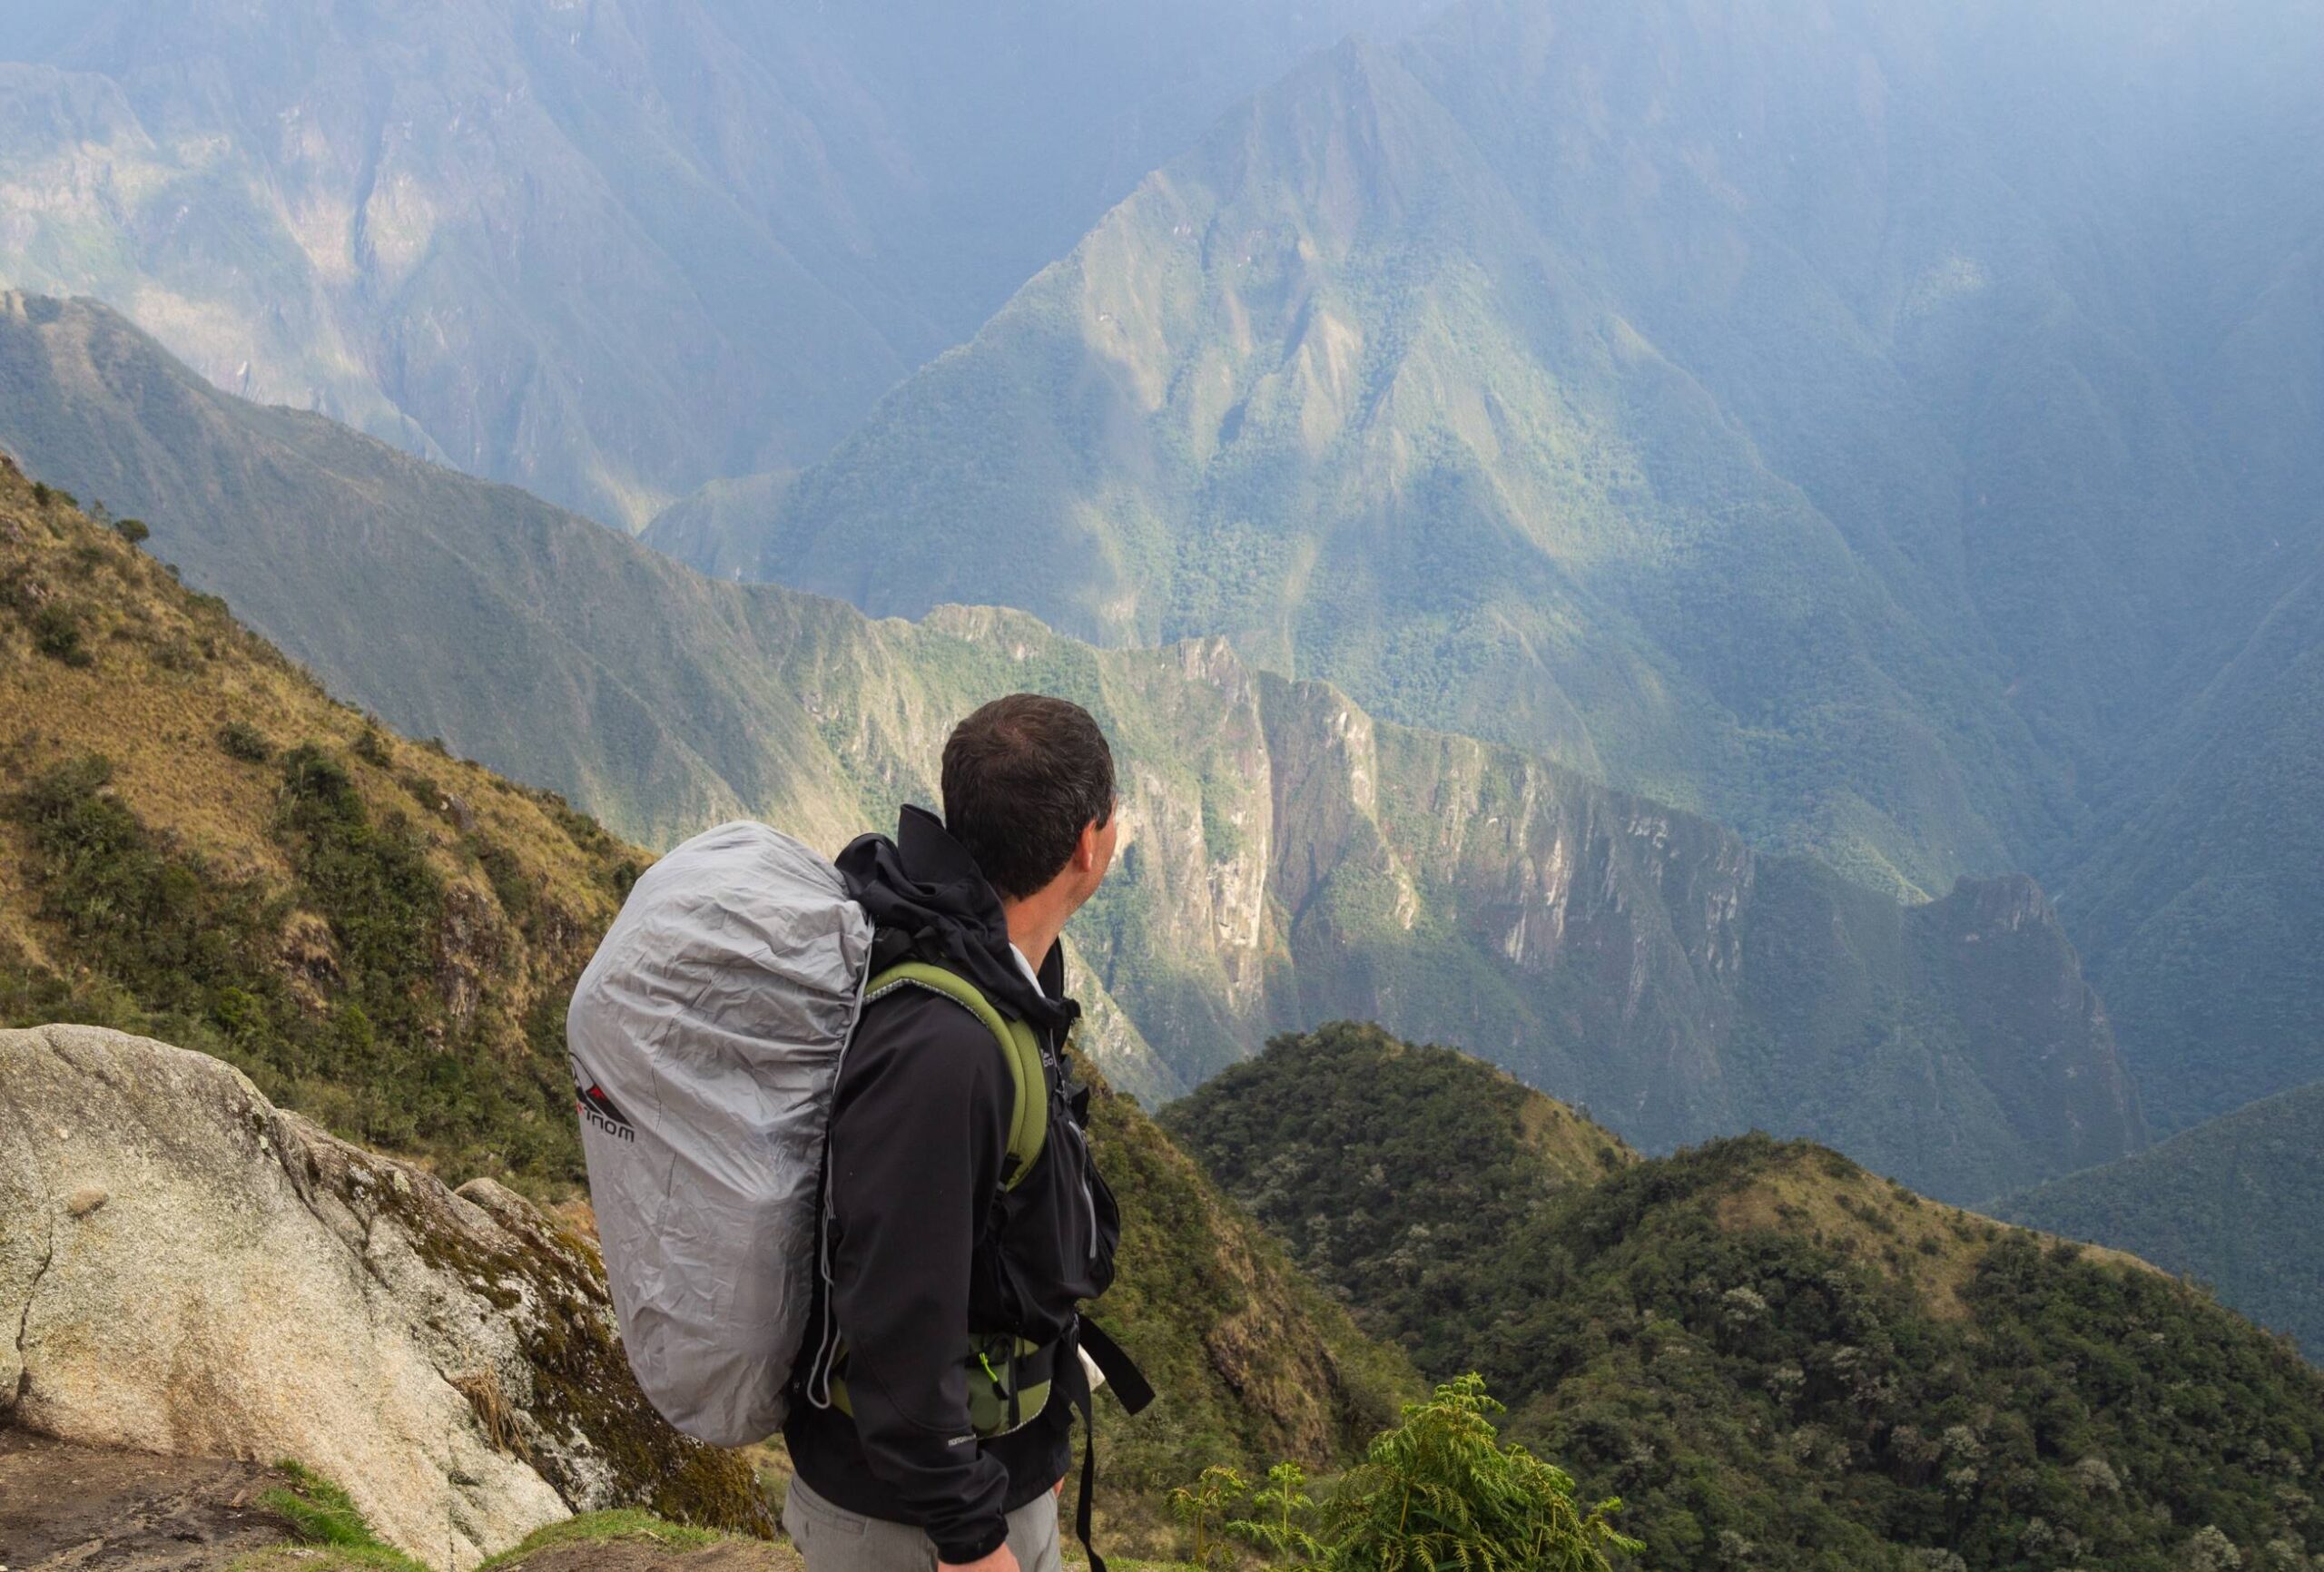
1089 1197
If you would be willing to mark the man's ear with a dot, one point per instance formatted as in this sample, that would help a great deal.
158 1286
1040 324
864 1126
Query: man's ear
1084 849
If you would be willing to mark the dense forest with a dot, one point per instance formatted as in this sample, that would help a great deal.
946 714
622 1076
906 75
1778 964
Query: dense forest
2236 1202
1775 1358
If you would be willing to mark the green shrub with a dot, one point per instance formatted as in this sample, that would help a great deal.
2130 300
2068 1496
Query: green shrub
56 634
1202 1507
132 530
1283 1509
371 747
243 740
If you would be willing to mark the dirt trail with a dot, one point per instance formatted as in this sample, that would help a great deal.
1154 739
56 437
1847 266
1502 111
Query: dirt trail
637 1556
76 1507
64 1507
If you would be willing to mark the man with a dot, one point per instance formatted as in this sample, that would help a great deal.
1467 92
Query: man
928 1243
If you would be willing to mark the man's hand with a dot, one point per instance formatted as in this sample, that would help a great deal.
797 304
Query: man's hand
1001 1560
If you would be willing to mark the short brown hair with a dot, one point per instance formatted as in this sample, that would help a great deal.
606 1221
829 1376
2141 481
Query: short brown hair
1022 777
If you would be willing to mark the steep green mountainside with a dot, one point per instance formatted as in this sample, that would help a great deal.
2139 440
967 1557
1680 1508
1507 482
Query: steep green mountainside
197 843
1288 858
1348 1143
1776 1358
2235 1202
610 253
2202 912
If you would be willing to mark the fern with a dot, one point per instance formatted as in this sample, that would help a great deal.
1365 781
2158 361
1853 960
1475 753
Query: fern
1283 1507
1441 1492
1206 1499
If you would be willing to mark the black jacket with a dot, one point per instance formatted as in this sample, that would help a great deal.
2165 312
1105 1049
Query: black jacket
926 1246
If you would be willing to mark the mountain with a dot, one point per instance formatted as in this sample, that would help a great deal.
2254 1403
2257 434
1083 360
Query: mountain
612 252
1774 1357
1323 386
1288 858
1872 425
1776 411
195 839
2233 1202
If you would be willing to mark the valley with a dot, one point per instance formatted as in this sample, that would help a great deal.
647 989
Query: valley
1288 858
1710 619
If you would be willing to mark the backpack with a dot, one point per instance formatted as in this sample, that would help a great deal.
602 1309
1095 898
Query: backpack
705 1037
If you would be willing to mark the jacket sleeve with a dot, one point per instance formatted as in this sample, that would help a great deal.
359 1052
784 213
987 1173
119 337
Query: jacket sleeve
918 1131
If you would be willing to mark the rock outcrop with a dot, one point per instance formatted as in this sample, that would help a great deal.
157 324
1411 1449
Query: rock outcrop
186 1269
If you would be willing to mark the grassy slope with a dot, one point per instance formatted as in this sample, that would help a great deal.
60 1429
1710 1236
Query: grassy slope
1775 1357
2234 1201
380 934
204 898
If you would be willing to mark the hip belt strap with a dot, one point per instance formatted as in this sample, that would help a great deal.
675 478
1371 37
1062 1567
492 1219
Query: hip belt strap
1129 1383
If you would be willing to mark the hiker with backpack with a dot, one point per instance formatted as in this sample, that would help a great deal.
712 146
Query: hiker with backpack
839 1157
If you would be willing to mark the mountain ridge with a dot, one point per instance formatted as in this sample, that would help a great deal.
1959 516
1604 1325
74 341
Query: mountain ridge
409 217
1288 858
1771 1355
2230 1202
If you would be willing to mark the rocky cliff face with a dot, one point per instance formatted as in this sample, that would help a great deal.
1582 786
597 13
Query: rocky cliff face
1653 966
192 1270
1288 858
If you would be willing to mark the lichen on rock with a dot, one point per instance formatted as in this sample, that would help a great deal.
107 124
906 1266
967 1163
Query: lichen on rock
250 1286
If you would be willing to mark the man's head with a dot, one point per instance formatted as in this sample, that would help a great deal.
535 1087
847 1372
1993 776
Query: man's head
1028 789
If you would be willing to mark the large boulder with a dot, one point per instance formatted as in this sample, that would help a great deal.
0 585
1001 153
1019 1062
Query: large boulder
185 1269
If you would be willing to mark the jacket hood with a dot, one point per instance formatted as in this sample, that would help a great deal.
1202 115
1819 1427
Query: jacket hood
924 886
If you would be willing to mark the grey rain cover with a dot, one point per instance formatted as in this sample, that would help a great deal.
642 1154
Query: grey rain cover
705 1038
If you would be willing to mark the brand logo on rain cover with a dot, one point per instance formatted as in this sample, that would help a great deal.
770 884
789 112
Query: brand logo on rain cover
597 1108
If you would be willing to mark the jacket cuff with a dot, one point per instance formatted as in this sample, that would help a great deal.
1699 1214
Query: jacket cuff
958 1552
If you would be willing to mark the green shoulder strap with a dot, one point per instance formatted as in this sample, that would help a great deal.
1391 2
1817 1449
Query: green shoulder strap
1028 1126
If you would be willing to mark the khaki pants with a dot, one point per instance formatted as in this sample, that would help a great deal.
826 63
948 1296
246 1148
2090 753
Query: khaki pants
833 1540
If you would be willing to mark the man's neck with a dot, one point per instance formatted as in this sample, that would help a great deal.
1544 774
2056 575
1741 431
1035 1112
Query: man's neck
1034 926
